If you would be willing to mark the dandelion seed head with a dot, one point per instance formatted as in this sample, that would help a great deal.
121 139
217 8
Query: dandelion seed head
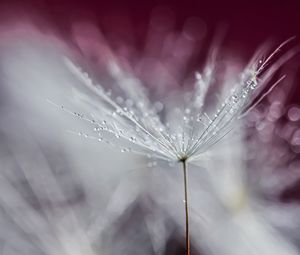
165 130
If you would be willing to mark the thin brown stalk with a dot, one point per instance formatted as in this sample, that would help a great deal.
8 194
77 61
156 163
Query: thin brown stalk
187 232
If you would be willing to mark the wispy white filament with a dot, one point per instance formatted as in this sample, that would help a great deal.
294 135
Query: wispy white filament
152 129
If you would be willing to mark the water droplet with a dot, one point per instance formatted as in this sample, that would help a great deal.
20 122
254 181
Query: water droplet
131 113
187 110
275 110
145 114
232 110
119 100
140 104
294 113
296 138
158 106
129 102
198 76
260 126
253 84
234 98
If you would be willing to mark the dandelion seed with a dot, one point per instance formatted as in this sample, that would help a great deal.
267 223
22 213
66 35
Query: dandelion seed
174 134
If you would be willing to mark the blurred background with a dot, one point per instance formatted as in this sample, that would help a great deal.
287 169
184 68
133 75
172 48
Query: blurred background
247 24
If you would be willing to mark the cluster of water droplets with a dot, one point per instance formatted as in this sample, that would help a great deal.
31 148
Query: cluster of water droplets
132 123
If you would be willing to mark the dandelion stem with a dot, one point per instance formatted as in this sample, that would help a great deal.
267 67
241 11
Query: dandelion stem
187 232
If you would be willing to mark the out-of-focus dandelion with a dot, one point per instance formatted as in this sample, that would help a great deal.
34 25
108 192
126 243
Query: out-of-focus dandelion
40 215
240 201
175 132
47 203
